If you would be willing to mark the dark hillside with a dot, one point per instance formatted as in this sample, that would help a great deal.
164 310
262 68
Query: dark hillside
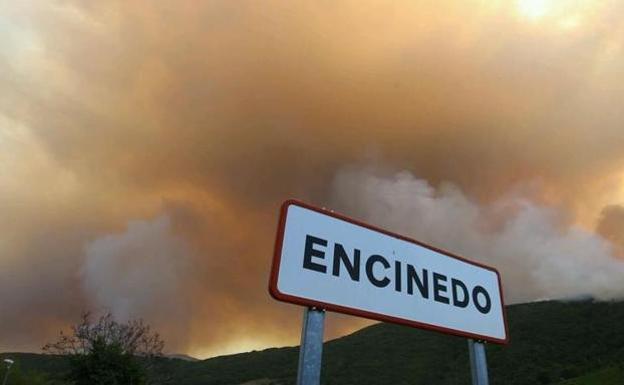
551 343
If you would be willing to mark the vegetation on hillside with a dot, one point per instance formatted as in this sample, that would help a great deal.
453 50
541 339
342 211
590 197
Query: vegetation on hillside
107 352
558 343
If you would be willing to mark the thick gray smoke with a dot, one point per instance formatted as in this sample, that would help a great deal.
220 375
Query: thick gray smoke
611 227
539 255
140 273
226 108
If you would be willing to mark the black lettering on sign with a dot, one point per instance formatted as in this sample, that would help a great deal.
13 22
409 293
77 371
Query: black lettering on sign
422 283
353 268
457 284
475 298
385 281
446 290
310 252
397 276
439 288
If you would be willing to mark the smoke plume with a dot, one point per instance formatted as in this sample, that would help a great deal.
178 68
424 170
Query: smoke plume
539 255
141 274
145 148
611 227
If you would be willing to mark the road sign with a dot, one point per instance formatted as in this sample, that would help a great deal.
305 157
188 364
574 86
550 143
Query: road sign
329 261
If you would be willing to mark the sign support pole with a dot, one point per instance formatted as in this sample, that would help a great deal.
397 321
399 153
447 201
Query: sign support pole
311 349
478 362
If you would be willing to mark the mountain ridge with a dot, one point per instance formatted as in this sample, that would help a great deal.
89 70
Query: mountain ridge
552 342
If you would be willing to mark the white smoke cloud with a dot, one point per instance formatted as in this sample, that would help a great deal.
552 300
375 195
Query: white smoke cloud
539 255
140 273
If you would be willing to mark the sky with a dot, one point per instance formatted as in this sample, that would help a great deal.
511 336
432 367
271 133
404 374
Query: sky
146 146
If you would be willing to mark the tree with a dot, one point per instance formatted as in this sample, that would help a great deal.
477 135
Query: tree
107 352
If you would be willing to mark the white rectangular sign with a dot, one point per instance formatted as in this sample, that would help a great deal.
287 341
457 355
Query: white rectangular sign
326 260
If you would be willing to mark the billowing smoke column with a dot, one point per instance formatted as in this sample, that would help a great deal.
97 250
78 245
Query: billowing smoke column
140 273
145 148
539 255
611 227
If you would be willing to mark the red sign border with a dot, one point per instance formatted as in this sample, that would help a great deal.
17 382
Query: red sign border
276 294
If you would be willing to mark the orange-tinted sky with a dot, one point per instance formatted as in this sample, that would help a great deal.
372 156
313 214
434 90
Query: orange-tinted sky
145 148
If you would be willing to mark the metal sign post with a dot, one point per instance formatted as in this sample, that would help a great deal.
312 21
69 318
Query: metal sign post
311 349
478 363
